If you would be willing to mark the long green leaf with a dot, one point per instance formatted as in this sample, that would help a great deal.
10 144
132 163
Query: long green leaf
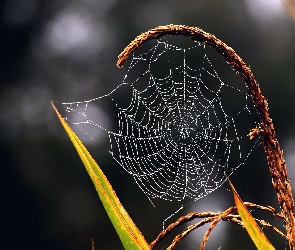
129 234
257 236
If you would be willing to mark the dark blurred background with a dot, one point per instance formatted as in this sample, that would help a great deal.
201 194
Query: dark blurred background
66 51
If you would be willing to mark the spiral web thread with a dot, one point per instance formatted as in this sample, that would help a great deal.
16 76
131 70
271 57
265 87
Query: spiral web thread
174 135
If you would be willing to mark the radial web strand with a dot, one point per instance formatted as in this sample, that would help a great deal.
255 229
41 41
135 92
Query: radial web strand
179 125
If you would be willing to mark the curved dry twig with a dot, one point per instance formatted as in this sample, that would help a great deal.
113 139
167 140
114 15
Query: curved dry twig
232 218
214 223
179 222
214 218
275 157
189 229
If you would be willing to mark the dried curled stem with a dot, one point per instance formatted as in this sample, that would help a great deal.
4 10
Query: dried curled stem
275 157
214 218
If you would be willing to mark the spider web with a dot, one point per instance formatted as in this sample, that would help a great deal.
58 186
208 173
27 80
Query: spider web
179 126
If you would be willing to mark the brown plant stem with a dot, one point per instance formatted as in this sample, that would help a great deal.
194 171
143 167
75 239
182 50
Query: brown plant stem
275 157
210 217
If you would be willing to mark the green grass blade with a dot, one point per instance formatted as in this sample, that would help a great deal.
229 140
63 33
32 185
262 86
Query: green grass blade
257 236
129 234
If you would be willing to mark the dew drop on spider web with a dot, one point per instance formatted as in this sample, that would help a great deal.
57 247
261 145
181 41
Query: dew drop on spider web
182 120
